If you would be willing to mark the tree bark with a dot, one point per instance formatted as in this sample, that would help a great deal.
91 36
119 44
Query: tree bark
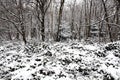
59 19
107 20
43 28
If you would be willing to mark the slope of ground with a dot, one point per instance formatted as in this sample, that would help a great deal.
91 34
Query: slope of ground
59 61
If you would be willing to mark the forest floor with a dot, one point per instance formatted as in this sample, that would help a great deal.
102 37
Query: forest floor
59 61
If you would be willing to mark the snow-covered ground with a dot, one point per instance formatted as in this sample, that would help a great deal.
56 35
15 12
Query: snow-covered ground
59 61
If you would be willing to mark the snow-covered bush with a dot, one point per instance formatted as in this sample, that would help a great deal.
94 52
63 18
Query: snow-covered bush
112 46
31 48
58 61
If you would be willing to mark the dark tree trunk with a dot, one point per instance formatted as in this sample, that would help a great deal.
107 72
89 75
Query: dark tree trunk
59 20
23 33
24 39
41 8
107 20
43 28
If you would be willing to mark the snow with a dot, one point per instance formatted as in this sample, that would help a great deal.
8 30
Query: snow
59 61
23 74
90 47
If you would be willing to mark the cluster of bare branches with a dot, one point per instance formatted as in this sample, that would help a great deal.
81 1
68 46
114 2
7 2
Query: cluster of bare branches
45 20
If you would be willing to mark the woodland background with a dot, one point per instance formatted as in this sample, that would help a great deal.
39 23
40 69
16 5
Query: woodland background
60 20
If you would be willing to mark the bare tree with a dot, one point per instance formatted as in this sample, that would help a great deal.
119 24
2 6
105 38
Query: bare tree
107 20
59 19
15 15
72 19
41 9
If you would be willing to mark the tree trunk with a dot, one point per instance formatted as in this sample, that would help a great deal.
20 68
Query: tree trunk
24 38
86 21
107 20
43 28
59 20
72 21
